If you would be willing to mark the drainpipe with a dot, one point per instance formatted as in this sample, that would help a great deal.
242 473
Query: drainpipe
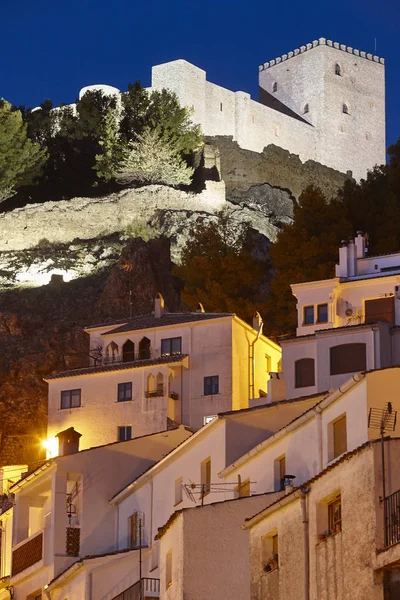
306 535
190 376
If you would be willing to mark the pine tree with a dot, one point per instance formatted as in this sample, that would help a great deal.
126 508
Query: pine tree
21 159
152 159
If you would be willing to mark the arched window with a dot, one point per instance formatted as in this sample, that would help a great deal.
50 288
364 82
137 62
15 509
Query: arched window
160 382
150 383
128 351
275 87
338 69
306 109
348 358
346 109
304 372
144 348
112 352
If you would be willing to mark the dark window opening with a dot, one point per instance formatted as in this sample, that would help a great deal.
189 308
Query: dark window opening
144 348
335 516
338 70
308 315
211 385
346 109
128 351
124 391
304 372
124 433
339 432
275 87
348 358
70 398
306 109
171 346
322 313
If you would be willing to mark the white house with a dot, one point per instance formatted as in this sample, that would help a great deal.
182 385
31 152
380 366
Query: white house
152 370
346 324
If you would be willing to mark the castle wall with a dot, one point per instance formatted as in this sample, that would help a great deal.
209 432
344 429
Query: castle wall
354 141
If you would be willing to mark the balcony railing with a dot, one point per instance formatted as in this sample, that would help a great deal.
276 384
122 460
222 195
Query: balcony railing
392 513
146 587
358 317
27 554
103 361
154 393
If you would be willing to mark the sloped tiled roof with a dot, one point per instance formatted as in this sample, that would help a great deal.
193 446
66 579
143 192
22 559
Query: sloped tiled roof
119 366
150 321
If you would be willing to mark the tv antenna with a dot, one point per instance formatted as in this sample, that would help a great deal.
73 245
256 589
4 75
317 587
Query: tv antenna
383 419
198 491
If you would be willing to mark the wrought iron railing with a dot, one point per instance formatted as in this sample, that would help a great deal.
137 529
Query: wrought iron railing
102 361
392 514
359 317
154 393
147 587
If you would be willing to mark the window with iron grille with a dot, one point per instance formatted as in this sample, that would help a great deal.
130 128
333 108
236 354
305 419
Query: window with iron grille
335 516
211 385
73 541
124 391
133 530
70 398
171 346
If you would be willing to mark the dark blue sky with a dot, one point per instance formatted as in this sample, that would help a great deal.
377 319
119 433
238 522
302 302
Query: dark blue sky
52 49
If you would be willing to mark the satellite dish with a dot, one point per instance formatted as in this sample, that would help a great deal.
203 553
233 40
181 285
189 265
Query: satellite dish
348 312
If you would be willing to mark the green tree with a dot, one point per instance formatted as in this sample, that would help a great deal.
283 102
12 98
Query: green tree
306 250
153 159
218 269
21 159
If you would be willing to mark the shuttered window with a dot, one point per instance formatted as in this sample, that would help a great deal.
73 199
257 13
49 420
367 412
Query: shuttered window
304 372
381 309
348 358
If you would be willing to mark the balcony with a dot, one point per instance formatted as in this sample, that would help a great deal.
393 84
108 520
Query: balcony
392 513
27 553
143 589
131 357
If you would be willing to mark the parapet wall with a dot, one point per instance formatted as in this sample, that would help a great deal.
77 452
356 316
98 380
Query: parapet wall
87 218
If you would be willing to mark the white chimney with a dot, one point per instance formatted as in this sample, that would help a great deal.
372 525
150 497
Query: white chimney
276 387
159 306
341 268
351 259
360 244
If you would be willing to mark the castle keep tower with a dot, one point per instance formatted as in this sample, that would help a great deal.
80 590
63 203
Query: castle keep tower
340 92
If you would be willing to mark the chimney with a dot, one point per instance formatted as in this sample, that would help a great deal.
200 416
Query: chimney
257 322
200 308
68 441
159 306
360 244
288 483
341 268
276 387
351 258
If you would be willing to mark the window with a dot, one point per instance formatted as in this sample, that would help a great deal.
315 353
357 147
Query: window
243 488
206 476
335 516
345 109
308 315
268 367
128 351
348 358
306 109
275 87
70 398
133 530
178 490
160 382
220 106
124 391
144 348
304 372
112 352
270 551
171 346
208 419
322 313
338 440
338 70
150 383
380 309
168 569
211 385
124 433
279 473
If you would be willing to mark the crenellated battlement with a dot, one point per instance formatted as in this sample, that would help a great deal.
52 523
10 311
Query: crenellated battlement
322 42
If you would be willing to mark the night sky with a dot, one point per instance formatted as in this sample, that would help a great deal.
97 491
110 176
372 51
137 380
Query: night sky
52 49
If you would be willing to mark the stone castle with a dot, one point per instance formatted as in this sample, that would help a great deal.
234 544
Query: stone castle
323 102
